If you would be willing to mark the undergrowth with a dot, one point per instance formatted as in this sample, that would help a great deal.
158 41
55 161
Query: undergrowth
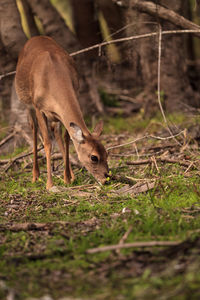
53 260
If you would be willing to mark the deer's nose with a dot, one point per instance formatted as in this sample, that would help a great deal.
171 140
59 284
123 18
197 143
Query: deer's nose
103 180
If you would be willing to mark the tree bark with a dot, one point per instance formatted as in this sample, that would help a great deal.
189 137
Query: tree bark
30 19
7 64
12 35
53 23
175 85
12 40
55 27
160 11
113 16
86 25
115 19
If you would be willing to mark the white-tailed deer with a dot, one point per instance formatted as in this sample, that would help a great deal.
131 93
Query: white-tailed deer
46 80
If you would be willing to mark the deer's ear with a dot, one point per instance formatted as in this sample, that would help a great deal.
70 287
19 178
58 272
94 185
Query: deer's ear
76 133
98 129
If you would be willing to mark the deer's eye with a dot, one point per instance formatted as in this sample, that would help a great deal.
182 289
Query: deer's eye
94 158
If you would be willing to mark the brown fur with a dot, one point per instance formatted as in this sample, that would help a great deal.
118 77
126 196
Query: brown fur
46 80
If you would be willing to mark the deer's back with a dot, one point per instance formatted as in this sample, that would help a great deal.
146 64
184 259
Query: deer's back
41 61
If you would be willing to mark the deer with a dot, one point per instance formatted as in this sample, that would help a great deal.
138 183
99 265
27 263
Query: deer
46 81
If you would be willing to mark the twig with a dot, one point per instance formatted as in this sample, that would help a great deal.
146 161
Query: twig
132 154
133 37
139 187
80 187
122 179
130 38
158 88
159 11
7 138
166 138
124 238
136 150
144 137
73 160
159 67
10 162
158 149
189 167
153 159
134 245
7 74
166 160
128 143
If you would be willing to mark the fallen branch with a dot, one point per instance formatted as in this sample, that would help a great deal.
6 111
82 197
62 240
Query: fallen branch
134 245
23 226
22 155
139 187
10 162
30 226
7 138
161 12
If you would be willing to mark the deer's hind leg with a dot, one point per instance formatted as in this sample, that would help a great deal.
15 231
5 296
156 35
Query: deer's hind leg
34 126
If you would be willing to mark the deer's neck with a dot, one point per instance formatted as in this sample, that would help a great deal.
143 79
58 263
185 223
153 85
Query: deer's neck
69 112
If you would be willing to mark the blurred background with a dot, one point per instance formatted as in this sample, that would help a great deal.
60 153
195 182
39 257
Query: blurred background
116 79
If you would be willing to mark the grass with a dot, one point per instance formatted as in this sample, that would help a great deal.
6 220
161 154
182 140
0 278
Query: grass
159 216
54 260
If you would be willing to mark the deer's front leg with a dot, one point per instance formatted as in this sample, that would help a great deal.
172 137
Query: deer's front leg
47 145
68 173
34 126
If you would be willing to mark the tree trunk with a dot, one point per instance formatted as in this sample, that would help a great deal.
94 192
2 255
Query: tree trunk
113 16
55 27
12 40
12 35
86 25
53 24
30 19
7 64
175 85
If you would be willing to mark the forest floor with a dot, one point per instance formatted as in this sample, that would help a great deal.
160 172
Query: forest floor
46 237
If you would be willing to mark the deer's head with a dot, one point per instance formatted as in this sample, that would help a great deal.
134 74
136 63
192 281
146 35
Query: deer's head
91 152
